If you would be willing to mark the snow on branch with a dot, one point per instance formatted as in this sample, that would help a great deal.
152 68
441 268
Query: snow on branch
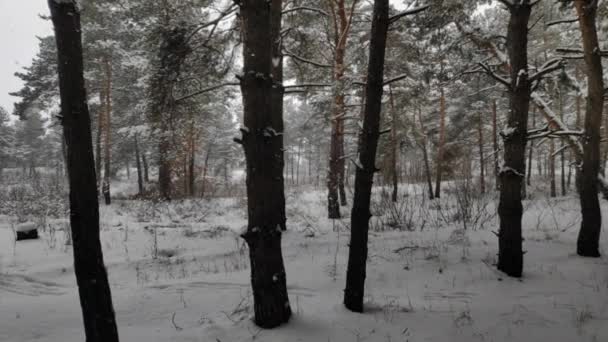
406 13
395 79
215 22
304 60
553 120
502 80
549 66
206 90
562 21
305 8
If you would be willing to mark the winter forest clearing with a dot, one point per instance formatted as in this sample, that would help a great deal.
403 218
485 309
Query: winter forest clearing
311 170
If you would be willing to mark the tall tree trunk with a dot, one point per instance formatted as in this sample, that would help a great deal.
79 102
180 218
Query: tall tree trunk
173 51
495 144
107 130
191 160
394 147
206 167
561 145
364 177
91 276
140 180
482 171
510 209
553 190
100 118
439 163
144 161
531 151
589 234
335 184
423 147
262 90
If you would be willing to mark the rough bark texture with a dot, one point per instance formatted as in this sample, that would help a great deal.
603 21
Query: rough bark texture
589 234
510 209
263 145
368 143
91 276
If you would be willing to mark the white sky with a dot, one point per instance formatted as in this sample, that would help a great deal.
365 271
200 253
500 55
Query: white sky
19 26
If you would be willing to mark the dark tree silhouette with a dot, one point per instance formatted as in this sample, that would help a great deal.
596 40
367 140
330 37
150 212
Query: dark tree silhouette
91 276
364 177
589 234
263 145
510 209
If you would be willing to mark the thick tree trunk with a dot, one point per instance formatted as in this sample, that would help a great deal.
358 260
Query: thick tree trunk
364 177
91 276
439 163
335 184
510 209
589 234
107 131
263 145
140 180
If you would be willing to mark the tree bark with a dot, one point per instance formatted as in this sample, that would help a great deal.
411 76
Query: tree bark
531 151
100 117
91 276
144 161
394 147
425 155
495 145
439 163
510 209
482 171
107 130
140 180
173 51
364 177
263 145
589 234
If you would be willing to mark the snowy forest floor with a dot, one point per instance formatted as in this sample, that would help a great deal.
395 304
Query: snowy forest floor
179 272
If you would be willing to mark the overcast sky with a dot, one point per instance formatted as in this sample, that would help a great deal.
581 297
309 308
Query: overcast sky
19 26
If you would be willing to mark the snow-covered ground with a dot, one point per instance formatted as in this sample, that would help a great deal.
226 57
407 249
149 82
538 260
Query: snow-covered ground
179 272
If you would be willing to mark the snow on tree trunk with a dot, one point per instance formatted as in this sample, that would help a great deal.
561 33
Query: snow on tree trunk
263 145
510 209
